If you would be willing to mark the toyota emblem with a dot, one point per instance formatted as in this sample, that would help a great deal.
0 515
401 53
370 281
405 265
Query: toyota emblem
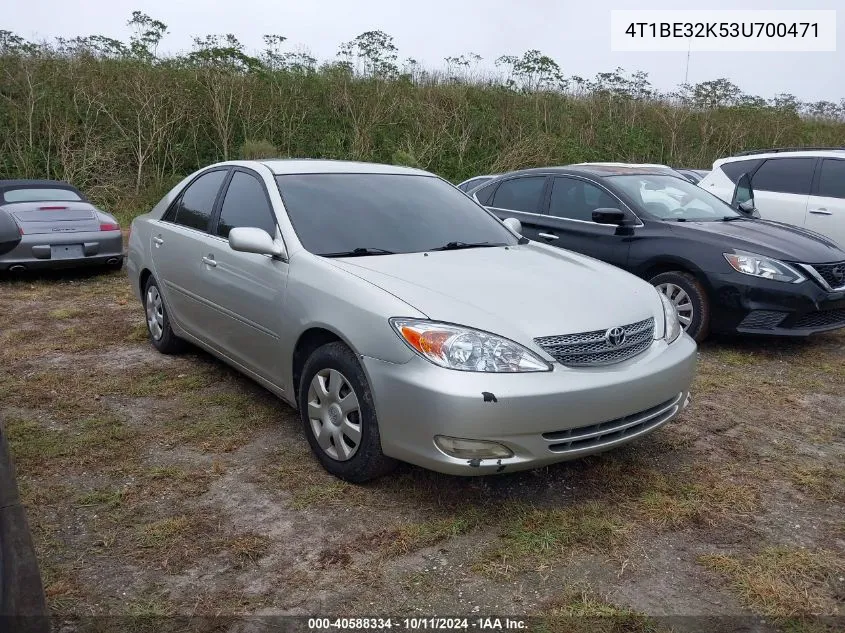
615 336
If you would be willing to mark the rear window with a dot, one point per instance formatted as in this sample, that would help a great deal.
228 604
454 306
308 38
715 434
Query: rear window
38 194
338 213
832 179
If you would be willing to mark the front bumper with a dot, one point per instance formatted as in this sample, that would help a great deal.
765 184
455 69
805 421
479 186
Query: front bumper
748 305
37 251
542 417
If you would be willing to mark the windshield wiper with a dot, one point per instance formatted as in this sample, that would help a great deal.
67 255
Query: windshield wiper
733 218
456 246
359 252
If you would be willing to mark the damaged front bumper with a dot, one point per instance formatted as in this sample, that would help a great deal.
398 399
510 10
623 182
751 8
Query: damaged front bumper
540 418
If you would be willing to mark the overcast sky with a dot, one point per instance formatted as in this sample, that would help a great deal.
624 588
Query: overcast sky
576 33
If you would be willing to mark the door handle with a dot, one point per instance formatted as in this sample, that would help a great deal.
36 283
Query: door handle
820 211
209 261
548 236
158 241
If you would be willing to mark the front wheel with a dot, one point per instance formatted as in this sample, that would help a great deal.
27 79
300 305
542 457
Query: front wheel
339 417
690 300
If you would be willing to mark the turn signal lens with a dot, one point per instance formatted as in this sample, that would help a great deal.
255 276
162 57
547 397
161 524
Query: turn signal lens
466 349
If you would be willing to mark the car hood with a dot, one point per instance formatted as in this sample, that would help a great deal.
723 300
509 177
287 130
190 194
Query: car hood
520 292
764 237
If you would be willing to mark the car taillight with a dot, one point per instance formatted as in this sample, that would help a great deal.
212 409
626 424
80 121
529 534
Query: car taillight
109 226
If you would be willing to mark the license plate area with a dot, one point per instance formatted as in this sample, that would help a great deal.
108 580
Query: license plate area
66 251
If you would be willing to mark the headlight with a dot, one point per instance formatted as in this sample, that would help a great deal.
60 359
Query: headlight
670 318
765 267
457 347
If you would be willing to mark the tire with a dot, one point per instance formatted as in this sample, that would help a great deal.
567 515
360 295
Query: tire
345 439
696 305
158 322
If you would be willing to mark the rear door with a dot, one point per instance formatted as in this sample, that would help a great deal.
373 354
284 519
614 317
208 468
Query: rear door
782 189
245 290
521 197
178 253
569 223
826 206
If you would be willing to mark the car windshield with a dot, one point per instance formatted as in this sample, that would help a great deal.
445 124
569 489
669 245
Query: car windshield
384 214
672 198
38 194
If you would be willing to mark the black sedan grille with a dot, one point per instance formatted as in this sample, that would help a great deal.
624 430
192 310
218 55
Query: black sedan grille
587 349
823 318
833 274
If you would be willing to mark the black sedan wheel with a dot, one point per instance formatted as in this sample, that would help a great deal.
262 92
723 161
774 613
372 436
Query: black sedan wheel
690 300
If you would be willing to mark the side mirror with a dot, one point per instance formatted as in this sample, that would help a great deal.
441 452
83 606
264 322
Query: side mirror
252 240
514 225
608 216
743 197
10 234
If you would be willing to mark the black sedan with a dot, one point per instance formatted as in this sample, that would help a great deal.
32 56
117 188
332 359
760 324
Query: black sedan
725 270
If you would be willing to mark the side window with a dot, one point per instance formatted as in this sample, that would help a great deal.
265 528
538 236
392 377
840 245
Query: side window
785 175
245 204
520 194
576 199
736 168
832 178
197 202
485 193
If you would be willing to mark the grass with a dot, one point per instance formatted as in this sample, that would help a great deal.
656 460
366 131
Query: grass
581 610
414 536
785 582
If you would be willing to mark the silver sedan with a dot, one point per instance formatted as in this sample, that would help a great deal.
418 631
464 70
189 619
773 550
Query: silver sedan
59 227
403 320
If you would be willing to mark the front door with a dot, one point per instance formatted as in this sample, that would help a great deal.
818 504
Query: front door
245 289
568 222
782 189
826 207
522 198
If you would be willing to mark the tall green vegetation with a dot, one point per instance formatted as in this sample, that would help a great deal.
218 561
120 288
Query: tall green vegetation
124 123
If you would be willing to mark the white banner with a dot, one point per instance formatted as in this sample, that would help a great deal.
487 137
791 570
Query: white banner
723 30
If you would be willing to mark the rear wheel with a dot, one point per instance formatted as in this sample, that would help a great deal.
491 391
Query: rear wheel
690 300
158 322
339 417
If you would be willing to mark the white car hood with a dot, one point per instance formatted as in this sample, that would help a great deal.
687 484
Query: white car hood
520 292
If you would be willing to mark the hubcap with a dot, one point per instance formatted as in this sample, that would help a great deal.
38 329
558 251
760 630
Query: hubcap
155 313
682 302
334 414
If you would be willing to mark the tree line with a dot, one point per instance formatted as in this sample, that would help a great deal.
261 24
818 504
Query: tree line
125 122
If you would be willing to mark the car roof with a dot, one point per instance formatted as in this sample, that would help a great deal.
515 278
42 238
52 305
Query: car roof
32 182
783 153
598 170
322 166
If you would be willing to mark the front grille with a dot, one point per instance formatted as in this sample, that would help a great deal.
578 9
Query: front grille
762 320
833 274
586 437
823 318
593 348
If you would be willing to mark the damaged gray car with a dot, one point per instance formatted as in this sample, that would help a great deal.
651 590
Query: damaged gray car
404 321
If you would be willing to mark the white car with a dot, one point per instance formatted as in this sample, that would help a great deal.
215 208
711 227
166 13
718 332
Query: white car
804 187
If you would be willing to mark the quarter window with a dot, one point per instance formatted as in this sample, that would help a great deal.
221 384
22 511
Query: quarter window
785 175
576 199
245 205
197 201
520 194
832 179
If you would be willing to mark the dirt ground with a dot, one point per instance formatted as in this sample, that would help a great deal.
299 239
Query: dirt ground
163 486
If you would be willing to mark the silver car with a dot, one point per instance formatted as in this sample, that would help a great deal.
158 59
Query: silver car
405 321
59 227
